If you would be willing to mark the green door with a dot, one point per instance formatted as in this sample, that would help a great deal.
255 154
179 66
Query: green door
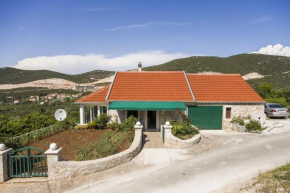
206 117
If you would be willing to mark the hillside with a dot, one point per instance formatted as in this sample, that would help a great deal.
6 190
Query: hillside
276 69
16 76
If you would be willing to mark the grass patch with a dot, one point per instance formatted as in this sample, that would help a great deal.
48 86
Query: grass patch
277 180
110 143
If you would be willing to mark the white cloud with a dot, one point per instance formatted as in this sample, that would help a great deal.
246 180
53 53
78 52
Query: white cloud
260 20
144 25
75 64
277 49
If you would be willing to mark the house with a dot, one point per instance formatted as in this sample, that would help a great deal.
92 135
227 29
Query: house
16 101
210 101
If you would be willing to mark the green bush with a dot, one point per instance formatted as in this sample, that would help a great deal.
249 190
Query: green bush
182 130
114 125
254 125
239 120
100 122
129 124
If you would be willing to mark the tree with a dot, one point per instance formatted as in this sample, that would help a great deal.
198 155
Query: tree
266 90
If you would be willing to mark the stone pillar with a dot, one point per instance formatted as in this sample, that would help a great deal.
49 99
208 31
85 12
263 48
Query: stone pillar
53 156
82 114
139 132
4 164
167 129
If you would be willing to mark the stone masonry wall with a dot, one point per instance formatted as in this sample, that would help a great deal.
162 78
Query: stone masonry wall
117 114
168 115
239 110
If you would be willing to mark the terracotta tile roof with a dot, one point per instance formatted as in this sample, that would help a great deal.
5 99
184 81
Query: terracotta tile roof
98 96
150 86
222 88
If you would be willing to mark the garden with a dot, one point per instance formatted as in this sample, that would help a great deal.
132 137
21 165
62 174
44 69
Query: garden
98 139
248 124
183 129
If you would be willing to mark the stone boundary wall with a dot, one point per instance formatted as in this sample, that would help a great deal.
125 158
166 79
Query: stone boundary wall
69 169
174 142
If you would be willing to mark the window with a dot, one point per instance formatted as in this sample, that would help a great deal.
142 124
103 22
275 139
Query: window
103 109
132 113
95 112
228 113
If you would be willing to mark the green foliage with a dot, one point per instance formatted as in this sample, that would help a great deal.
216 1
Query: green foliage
114 125
100 122
271 95
254 125
129 124
239 120
272 66
108 144
182 130
16 76
28 123
281 101
266 90
24 139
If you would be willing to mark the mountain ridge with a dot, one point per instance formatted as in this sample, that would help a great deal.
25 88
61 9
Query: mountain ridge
273 69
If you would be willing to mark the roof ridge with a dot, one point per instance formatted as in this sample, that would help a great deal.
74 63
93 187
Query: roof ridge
150 72
236 74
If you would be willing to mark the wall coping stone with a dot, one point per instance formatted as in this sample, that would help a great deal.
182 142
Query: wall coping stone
5 151
53 152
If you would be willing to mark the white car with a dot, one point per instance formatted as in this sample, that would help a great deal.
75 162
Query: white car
276 110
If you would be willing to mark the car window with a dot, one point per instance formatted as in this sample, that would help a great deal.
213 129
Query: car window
276 106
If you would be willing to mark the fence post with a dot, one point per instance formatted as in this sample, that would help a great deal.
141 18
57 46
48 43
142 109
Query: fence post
53 156
4 164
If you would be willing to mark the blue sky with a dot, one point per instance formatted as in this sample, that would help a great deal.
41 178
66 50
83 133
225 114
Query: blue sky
34 34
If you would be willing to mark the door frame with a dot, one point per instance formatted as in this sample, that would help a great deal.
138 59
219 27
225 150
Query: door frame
156 124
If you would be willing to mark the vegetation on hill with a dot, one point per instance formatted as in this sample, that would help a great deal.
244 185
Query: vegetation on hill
272 95
16 76
276 69
7 96
26 117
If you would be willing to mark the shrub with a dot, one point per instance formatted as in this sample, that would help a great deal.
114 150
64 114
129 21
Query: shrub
254 125
129 124
239 120
100 122
182 130
79 127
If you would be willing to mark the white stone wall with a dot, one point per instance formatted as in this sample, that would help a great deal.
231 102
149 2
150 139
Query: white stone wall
173 142
239 110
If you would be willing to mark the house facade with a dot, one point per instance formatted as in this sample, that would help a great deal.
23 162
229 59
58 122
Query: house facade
210 101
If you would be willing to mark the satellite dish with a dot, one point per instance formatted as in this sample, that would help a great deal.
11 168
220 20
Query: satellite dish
259 116
60 114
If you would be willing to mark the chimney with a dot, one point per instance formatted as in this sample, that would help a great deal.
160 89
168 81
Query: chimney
140 67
